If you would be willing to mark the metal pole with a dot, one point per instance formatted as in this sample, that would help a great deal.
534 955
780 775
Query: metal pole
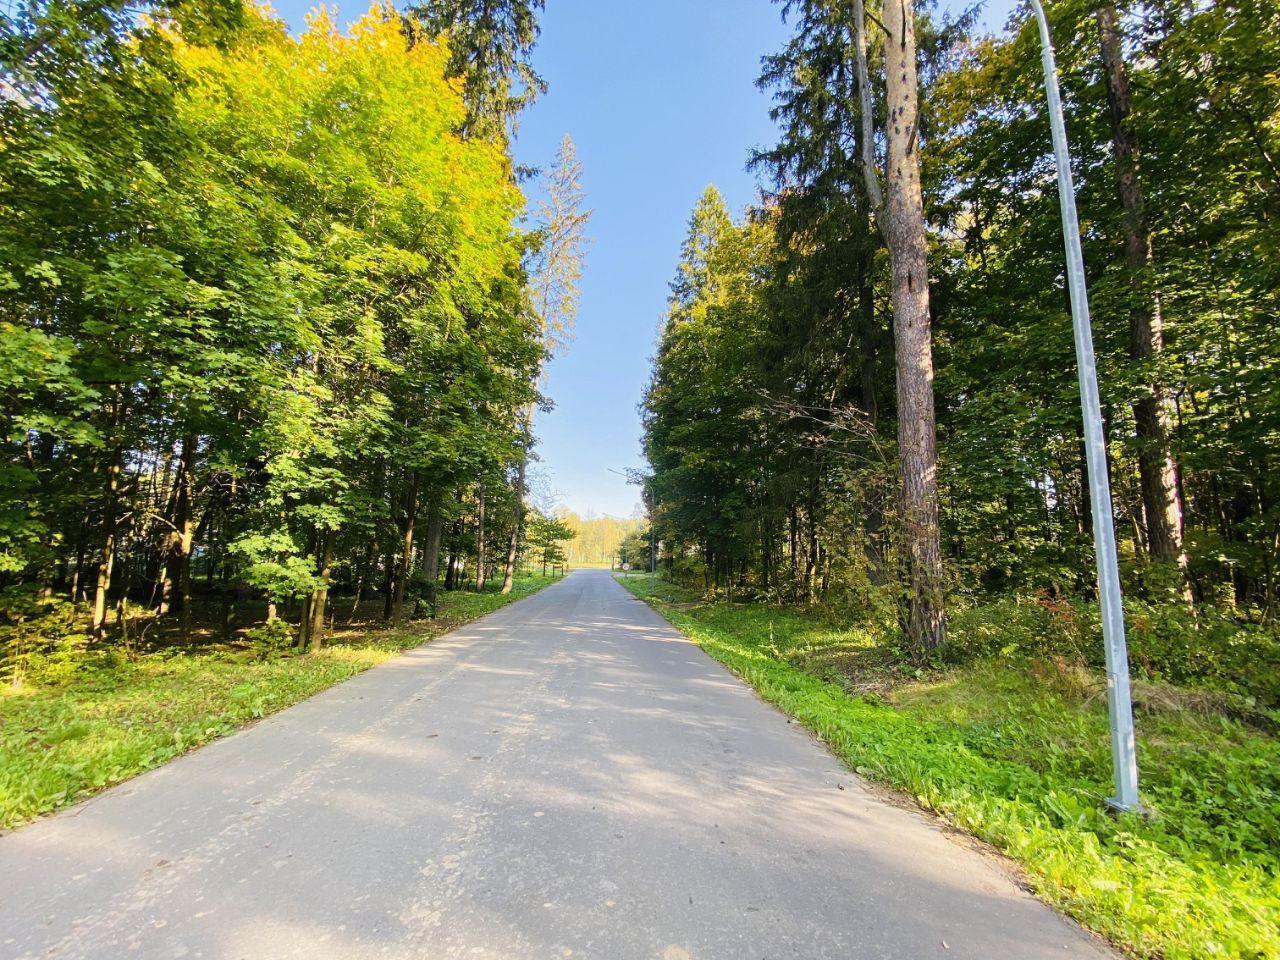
1124 761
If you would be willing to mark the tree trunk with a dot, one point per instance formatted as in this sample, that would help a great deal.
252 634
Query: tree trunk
431 553
314 616
1157 470
452 576
176 587
480 540
406 549
388 580
107 556
811 558
794 546
904 228
77 572
513 547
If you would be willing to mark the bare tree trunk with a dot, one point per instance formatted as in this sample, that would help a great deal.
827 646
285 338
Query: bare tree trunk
431 553
513 547
176 586
314 615
406 550
1157 470
903 225
480 540
107 556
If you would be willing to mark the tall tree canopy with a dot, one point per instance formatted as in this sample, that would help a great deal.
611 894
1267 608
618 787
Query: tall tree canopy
490 42
264 311
773 424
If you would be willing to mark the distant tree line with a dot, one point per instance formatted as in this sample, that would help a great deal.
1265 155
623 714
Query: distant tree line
270 314
861 396
595 538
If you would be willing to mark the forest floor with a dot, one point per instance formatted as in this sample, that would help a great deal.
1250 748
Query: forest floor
109 716
1015 750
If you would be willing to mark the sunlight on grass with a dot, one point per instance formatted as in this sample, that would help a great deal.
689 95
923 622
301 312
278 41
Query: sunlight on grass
117 718
1015 751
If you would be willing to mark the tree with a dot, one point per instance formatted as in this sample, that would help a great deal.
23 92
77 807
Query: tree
556 268
547 535
901 217
490 42
1162 503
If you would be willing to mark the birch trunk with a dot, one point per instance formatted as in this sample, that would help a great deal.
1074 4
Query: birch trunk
431 553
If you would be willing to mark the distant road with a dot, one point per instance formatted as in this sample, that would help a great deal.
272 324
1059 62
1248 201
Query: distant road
568 777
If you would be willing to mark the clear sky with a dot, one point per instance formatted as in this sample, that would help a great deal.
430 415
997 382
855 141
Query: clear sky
660 98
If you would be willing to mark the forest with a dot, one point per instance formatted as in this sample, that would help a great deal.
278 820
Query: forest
274 313
809 444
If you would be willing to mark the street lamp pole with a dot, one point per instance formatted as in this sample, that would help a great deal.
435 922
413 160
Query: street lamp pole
1124 761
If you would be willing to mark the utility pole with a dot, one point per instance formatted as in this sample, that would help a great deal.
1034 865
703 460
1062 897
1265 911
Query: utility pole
1124 759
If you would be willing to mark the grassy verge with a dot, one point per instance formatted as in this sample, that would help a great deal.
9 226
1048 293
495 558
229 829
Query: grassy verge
115 717
1015 751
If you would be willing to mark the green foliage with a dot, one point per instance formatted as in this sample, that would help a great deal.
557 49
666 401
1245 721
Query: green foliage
1167 642
595 541
490 42
1016 751
769 420
271 639
255 289
546 536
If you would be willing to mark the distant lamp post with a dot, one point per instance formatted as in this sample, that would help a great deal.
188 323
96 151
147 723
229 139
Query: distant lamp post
1124 760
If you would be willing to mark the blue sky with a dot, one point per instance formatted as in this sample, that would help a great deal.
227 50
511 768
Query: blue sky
660 98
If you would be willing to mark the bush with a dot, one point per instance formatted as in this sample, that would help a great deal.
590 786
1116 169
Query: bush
272 639
1167 642
41 641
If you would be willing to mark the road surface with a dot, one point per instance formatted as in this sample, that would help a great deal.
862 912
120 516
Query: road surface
568 777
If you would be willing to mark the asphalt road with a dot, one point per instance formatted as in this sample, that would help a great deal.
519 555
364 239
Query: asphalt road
568 777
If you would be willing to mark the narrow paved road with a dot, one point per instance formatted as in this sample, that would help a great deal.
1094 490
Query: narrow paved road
566 778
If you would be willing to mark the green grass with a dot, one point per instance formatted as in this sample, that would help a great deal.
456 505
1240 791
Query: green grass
1015 751
115 718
